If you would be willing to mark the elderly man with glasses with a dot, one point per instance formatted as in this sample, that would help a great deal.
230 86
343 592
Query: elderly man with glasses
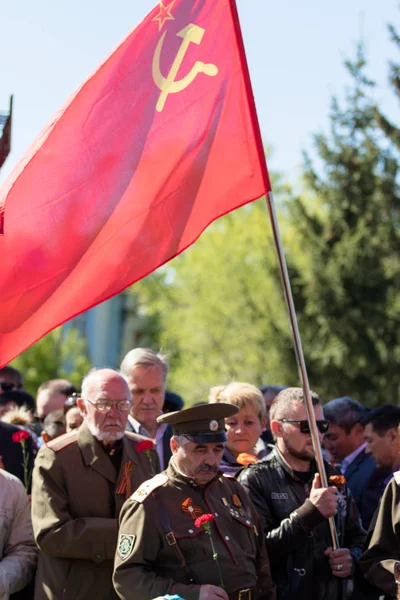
80 483
295 508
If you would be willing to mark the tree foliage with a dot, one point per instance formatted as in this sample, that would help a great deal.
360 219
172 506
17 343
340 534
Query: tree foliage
221 307
60 354
386 125
348 226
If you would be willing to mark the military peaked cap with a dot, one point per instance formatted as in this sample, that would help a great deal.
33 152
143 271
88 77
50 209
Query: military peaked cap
201 424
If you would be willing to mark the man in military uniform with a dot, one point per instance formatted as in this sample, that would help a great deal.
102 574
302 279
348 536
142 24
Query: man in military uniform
380 562
80 483
162 547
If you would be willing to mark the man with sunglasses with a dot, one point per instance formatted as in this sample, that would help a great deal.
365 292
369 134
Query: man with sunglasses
295 508
80 483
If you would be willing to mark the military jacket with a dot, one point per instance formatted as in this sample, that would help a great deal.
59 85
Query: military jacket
379 560
76 499
158 530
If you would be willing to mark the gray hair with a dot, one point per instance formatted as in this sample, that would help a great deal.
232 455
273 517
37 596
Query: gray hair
181 440
344 412
286 399
90 379
144 357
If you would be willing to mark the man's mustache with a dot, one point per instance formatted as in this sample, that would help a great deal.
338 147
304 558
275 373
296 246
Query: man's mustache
207 469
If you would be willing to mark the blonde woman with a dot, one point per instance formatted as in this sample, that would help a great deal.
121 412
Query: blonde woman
244 428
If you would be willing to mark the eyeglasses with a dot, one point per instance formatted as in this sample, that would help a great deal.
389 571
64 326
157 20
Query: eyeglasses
104 407
322 425
6 386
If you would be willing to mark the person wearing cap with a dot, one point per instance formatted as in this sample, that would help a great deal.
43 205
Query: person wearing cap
162 546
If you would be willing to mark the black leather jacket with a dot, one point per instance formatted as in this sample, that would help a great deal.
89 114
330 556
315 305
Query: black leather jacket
296 532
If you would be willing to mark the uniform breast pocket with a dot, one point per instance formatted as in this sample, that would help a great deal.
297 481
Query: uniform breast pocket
244 534
193 542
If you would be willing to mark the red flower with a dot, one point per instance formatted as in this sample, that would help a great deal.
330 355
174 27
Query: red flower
204 519
20 436
144 445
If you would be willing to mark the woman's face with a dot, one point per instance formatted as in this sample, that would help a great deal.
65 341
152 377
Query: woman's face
243 431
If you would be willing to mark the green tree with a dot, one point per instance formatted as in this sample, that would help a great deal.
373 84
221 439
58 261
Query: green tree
221 307
346 275
61 353
388 127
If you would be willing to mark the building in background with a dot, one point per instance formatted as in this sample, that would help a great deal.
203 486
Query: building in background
113 328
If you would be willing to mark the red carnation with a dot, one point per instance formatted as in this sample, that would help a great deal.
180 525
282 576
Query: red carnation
205 522
203 519
144 445
20 436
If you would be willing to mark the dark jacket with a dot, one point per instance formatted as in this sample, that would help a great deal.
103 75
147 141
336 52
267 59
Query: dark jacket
297 534
12 455
366 485
166 449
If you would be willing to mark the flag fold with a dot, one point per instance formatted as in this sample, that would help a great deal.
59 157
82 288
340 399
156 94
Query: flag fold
159 142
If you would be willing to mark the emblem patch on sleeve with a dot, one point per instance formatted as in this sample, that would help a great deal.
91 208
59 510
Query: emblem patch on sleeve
126 543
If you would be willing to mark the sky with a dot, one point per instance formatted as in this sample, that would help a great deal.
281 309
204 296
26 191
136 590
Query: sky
295 50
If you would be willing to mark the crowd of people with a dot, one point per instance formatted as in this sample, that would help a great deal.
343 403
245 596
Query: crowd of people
116 490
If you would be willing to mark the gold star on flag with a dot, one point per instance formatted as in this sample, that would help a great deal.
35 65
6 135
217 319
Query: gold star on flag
164 14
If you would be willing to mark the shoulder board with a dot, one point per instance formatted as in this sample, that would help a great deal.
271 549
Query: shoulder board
149 486
396 476
63 441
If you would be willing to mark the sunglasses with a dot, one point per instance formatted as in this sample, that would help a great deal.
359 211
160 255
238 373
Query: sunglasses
7 387
322 425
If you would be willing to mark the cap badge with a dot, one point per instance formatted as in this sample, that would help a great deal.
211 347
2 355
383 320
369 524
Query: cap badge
213 425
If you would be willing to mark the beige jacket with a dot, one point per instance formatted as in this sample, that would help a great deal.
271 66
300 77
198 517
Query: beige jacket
18 552
76 499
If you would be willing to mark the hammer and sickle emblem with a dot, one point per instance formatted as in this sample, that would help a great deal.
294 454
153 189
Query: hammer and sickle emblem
168 85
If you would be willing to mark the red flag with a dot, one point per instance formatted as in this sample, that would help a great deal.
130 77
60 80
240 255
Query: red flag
159 142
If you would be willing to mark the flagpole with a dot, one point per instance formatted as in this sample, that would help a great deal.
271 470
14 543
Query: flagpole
287 291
